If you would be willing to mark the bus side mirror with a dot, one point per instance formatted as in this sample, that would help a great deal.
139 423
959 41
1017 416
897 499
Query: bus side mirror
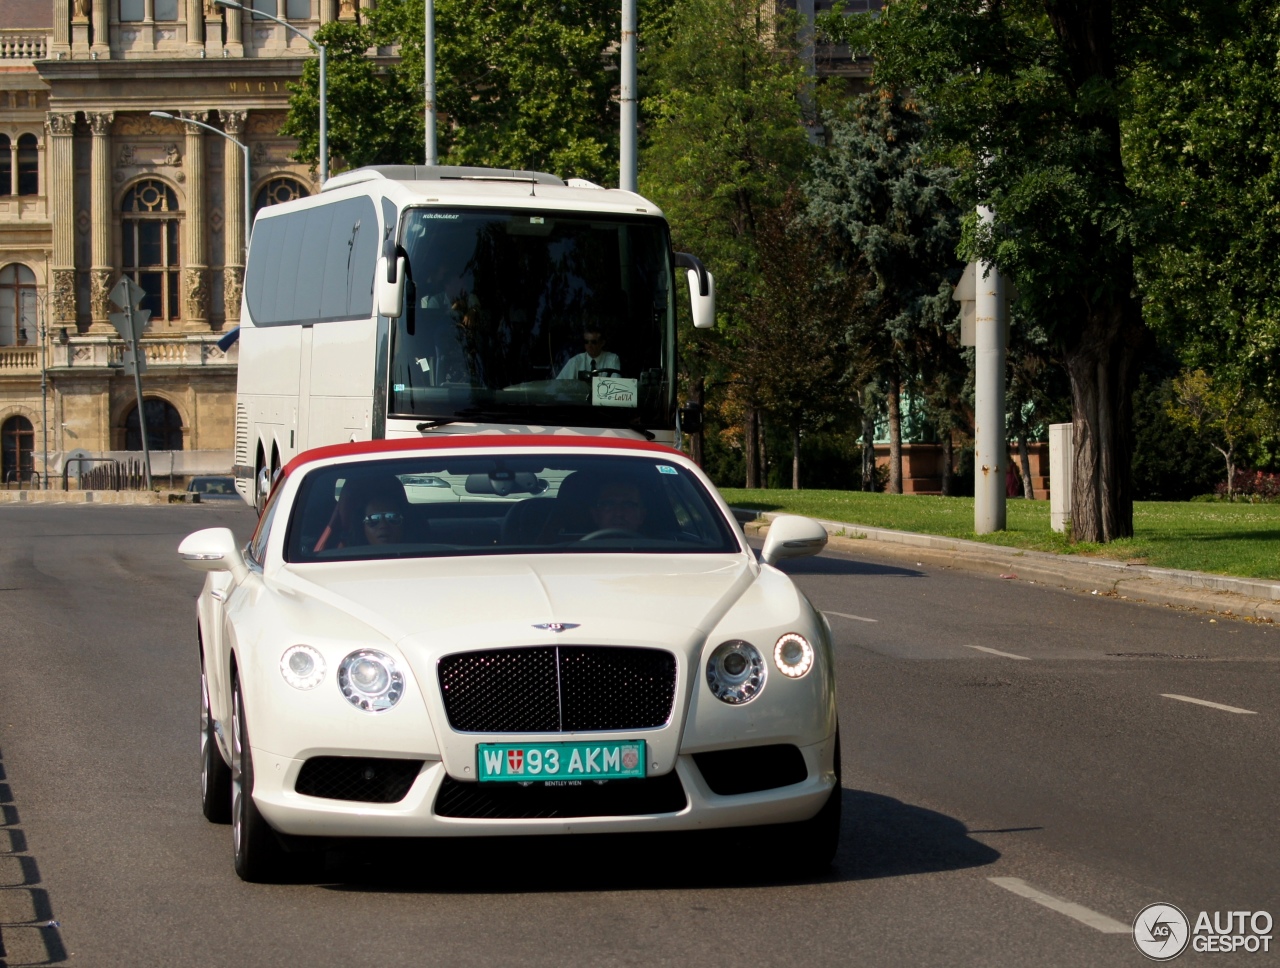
704 306
391 287
702 290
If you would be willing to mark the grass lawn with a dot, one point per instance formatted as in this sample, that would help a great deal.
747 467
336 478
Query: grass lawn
1225 539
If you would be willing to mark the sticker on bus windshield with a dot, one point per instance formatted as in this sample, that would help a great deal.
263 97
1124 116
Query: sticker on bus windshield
615 391
666 469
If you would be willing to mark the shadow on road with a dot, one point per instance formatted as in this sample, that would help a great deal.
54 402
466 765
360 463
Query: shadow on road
829 565
29 934
880 837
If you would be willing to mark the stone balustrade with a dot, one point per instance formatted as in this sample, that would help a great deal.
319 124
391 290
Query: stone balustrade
23 44
161 353
19 359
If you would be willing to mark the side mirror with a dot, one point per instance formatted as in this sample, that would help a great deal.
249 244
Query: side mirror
702 290
792 536
691 418
391 287
213 549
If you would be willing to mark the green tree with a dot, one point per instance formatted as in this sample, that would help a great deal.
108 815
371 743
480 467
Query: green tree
1028 99
1202 143
724 140
1220 409
518 85
875 188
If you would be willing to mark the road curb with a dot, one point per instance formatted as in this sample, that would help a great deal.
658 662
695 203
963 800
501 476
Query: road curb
1223 595
95 497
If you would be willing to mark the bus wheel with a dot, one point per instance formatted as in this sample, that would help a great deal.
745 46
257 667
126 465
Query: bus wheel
261 487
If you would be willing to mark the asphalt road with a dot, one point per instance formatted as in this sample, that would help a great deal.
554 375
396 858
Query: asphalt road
1000 809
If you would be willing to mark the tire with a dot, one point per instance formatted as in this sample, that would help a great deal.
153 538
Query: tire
261 488
215 774
808 848
259 857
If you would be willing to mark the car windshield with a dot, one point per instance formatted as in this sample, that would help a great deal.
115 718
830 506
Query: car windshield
510 504
535 318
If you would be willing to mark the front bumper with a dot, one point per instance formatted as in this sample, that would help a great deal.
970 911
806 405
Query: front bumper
415 815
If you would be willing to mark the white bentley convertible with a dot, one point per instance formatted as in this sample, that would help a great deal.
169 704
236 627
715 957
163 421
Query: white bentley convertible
487 636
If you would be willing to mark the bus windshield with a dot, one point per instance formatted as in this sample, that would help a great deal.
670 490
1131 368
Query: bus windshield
548 318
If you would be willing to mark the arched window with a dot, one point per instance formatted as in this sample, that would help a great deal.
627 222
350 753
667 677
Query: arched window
164 426
17 444
277 190
28 165
17 304
149 232
6 165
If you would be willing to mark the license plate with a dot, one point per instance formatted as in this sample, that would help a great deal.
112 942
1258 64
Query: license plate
532 762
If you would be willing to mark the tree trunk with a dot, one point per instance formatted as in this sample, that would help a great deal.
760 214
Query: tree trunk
1024 460
1103 369
895 435
762 449
697 392
868 439
750 445
948 455
795 458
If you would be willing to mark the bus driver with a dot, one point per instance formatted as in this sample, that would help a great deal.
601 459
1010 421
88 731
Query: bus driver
595 360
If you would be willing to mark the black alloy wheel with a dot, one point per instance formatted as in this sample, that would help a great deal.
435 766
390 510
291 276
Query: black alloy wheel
215 774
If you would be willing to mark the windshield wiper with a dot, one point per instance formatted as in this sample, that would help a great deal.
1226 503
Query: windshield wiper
433 423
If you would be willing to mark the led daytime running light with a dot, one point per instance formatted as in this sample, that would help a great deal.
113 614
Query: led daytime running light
793 655
302 667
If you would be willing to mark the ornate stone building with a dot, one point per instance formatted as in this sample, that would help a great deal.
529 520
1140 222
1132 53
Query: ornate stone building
92 187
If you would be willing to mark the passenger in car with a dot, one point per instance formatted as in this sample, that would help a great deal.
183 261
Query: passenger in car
383 521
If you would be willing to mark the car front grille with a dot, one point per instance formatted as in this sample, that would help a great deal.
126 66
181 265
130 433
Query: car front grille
558 689
362 778
513 801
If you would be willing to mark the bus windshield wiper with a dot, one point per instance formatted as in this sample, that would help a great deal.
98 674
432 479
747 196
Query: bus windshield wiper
433 423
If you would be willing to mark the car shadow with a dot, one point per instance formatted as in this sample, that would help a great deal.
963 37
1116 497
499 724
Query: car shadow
880 837
831 565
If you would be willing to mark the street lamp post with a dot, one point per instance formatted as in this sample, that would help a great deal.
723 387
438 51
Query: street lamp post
248 209
320 49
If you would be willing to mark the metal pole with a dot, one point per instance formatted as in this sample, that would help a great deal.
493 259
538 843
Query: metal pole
137 388
324 113
990 458
248 202
429 80
44 390
627 162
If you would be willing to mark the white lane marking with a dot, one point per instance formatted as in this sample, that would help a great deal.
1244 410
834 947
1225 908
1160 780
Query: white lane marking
1003 655
1099 922
856 618
1213 705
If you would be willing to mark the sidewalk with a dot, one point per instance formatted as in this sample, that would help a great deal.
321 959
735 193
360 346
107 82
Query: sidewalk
55 496
1238 597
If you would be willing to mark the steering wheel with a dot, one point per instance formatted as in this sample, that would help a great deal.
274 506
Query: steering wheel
586 375
610 533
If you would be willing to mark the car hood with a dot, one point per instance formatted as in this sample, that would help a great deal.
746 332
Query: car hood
476 602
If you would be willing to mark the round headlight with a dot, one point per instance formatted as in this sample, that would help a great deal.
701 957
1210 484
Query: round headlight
302 667
370 680
735 672
793 655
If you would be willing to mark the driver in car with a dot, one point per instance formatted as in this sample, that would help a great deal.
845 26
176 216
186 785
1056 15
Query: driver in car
594 360
618 507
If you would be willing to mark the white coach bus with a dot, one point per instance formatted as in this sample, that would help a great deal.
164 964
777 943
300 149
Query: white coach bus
410 300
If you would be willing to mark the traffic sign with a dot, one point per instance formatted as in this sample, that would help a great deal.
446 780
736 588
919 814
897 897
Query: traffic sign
126 293
135 360
121 321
